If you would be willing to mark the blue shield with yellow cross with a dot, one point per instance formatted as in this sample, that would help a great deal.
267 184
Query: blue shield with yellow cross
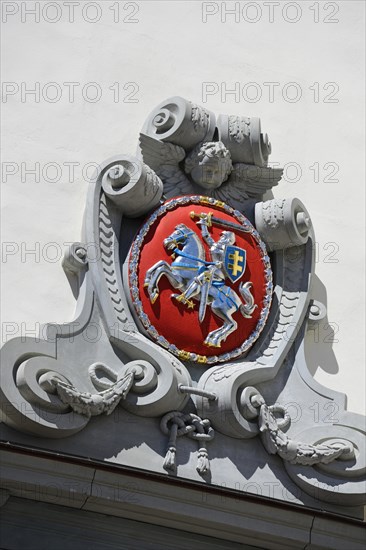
235 262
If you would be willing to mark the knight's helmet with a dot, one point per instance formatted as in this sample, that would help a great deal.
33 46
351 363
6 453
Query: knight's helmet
227 237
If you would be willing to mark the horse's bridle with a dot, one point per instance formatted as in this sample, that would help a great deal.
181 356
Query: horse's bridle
183 236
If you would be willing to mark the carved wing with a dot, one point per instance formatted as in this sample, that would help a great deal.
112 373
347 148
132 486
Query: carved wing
254 180
156 153
164 159
233 194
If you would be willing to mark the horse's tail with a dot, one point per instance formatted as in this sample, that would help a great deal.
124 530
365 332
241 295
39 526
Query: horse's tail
249 306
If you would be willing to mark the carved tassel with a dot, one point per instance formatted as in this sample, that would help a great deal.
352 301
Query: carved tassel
169 461
203 464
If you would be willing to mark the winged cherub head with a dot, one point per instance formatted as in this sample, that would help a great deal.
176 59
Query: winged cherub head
209 164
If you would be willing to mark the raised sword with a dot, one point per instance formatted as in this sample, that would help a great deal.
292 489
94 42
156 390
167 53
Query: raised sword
219 221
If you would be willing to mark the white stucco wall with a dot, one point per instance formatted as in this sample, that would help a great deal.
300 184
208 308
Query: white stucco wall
169 50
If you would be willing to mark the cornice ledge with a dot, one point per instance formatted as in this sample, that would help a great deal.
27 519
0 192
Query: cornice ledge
181 504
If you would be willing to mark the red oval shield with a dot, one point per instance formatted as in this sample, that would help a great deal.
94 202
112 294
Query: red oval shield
200 280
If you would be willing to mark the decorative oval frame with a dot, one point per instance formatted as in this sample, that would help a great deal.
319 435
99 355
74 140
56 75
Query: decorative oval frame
142 317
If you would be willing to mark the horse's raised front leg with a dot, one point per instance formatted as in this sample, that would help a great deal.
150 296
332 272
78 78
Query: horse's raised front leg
153 276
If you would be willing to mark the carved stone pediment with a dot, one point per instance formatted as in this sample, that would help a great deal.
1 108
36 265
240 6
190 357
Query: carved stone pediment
194 299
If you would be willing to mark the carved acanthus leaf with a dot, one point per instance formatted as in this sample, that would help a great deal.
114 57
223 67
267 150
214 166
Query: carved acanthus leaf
200 117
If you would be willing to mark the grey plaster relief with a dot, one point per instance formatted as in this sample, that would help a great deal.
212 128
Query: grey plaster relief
217 409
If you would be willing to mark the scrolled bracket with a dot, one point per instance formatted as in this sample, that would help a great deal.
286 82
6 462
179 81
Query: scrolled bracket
282 223
132 186
25 404
181 122
75 258
228 412
75 265
157 390
244 139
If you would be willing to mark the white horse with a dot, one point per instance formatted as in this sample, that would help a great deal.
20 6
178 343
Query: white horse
193 275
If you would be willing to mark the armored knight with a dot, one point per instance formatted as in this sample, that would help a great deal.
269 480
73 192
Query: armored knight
214 275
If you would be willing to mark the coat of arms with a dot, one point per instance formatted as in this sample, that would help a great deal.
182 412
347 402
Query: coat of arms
201 297
207 297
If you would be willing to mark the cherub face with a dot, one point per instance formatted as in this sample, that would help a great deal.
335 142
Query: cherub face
210 173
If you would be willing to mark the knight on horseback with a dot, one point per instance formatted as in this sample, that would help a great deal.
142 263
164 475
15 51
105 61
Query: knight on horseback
215 274
202 280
